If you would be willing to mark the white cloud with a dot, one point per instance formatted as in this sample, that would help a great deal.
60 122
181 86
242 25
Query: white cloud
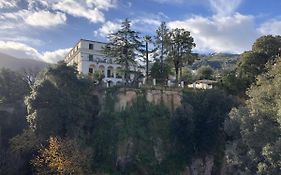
233 34
272 27
108 28
55 56
45 19
224 8
33 18
102 4
21 50
146 24
8 3
89 9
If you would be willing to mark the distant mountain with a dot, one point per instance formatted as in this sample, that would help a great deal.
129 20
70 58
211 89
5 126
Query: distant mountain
17 64
217 61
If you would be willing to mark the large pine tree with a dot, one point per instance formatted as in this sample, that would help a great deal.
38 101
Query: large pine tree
124 46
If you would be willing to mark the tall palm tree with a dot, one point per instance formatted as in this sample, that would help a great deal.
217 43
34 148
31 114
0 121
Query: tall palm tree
147 40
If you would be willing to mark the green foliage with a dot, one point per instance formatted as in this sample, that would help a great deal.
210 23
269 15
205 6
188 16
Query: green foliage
124 46
232 84
197 125
22 148
269 45
255 148
216 61
13 88
161 43
253 63
187 76
63 101
204 72
133 141
180 44
159 75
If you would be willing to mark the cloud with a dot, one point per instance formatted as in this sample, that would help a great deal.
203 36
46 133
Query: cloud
223 8
21 50
89 9
102 4
45 19
42 18
233 34
108 28
55 56
8 3
146 24
272 26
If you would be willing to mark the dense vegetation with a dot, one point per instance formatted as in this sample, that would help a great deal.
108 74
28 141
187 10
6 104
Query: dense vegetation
69 133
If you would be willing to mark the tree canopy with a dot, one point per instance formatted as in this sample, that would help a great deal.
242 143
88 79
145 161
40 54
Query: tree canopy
124 46
255 128
180 43
62 100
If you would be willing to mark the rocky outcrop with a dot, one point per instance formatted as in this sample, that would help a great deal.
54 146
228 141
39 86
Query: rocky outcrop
171 99
200 166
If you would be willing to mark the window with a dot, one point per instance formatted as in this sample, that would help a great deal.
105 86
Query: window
91 46
91 58
91 70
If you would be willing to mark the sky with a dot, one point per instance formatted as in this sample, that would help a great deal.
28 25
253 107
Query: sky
46 29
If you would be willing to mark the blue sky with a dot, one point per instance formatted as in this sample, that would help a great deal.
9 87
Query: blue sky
46 29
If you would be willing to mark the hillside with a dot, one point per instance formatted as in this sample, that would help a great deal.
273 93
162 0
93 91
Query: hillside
17 64
216 61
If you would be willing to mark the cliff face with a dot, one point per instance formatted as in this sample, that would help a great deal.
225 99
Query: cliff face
129 146
171 99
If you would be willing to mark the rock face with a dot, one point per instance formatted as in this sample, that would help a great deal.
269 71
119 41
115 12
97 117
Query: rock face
200 166
171 99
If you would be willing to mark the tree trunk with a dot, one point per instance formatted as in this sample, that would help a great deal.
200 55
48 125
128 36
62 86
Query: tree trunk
146 49
177 76
180 74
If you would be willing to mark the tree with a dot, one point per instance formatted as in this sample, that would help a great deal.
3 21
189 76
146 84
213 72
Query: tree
180 44
13 89
197 126
204 72
123 46
161 44
268 45
62 157
159 75
254 130
64 101
187 76
252 63
147 39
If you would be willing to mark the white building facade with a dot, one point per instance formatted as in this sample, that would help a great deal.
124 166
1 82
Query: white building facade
89 58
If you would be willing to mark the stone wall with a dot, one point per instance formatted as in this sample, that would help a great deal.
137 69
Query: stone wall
170 98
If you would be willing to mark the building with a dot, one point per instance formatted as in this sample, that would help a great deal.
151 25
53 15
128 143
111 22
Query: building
87 55
202 84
